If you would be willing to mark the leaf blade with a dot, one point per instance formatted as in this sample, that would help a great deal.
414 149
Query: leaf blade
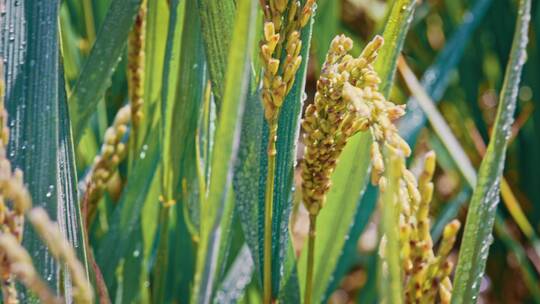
41 144
224 151
217 18
482 210
101 63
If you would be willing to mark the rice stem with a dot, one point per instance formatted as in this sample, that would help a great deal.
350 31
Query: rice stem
310 258
268 208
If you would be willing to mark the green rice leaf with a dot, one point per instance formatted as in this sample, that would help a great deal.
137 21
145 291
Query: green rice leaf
217 18
157 30
214 209
287 134
238 277
96 74
183 97
247 180
395 31
41 143
124 234
477 234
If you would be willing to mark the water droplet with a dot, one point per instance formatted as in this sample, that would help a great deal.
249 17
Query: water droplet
49 193
144 148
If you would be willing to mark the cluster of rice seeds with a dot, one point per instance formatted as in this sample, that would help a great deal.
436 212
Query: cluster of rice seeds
15 262
348 101
136 65
336 115
280 50
426 275
113 151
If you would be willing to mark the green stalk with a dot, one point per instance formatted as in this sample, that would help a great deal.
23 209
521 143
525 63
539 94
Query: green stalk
89 22
162 258
391 279
268 205
310 258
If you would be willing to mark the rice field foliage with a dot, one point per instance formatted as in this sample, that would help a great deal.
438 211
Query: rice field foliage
271 151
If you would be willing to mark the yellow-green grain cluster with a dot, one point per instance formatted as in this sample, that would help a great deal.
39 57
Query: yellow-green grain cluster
280 50
347 96
348 101
426 276
113 151
136 65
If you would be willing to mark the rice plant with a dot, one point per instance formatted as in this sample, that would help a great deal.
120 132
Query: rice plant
271 151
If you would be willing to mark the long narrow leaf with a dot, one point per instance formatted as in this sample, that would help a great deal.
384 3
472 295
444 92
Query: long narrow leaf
246 184
157 26
101 63
225 151
249 181
182 101
40 128
288 130
477 236
217 19
394 35
237 279
125 221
